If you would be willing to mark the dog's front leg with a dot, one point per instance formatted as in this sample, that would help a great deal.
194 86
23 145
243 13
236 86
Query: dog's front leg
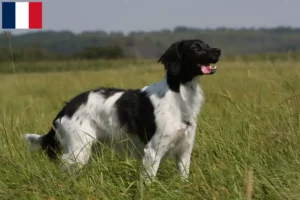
154 151
151 161
183 158
183 161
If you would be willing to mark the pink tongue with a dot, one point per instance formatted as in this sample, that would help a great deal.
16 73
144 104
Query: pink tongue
205 69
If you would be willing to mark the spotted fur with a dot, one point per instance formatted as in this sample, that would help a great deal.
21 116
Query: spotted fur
155 121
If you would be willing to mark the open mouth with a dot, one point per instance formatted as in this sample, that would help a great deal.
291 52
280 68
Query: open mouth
208 69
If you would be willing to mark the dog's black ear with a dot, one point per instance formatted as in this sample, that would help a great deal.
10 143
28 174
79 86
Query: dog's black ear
171 59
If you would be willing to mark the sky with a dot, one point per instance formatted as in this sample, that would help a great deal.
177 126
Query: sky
146 15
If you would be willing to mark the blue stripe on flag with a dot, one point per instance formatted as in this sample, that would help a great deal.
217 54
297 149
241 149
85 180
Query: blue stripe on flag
8 15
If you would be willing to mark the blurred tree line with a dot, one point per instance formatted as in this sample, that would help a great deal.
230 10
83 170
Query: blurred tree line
50 45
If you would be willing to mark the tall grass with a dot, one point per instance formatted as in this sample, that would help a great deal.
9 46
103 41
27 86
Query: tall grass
247 144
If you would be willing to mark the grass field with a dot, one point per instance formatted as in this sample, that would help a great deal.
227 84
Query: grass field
247 143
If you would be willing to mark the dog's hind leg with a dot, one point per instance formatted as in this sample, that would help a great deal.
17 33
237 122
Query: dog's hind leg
77 140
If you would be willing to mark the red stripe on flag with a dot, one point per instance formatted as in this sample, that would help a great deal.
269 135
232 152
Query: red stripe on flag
35 15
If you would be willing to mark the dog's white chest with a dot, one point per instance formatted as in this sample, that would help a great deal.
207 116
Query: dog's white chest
175 115
191 99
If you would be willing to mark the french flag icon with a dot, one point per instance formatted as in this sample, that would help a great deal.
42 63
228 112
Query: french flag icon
22 15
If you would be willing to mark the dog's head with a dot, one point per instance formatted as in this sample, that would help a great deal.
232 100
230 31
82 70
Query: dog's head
189 58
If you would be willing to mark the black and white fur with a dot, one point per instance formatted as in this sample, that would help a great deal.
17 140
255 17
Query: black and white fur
147 123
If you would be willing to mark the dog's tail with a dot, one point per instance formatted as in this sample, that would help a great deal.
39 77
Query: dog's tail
47 143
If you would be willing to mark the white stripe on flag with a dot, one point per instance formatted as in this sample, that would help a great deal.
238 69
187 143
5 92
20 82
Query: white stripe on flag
22 15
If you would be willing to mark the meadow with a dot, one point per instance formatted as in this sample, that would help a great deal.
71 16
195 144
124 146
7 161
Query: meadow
247 143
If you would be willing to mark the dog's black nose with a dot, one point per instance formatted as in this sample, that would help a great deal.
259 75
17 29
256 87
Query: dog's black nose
217 51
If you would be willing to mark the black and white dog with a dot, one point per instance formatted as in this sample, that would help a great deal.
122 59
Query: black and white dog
149 123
